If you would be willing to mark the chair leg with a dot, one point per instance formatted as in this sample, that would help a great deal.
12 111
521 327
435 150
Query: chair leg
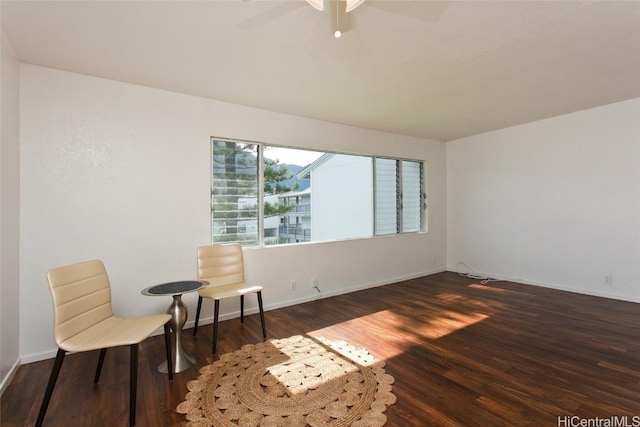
241 308
216 309
264 329
103 353
195 327
57 364
167 345
133 384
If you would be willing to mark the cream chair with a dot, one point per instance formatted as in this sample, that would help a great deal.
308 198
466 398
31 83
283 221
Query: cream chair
83 321
223 267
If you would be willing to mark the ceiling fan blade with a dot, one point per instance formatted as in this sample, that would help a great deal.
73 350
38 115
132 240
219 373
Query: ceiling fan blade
317 4
352 4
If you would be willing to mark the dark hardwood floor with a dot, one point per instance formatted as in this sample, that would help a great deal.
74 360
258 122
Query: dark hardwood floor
462 354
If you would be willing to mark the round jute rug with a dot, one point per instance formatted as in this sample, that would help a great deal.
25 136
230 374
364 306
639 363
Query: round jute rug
292 382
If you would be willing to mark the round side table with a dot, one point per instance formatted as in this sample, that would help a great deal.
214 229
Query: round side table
178 312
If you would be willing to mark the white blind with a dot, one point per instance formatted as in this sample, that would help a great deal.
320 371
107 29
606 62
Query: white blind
386 196
234 193
411 196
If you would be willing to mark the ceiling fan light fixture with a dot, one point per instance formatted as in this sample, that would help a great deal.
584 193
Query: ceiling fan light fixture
352 4
317 4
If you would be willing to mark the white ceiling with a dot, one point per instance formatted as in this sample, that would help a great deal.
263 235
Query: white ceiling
440 70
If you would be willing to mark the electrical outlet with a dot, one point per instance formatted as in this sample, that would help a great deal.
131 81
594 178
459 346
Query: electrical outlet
294 285
608 279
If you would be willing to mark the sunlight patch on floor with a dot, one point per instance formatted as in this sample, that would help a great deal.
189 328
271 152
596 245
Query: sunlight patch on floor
408 330
448 322
374 325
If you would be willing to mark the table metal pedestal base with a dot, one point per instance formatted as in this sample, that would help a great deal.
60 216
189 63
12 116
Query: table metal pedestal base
181 361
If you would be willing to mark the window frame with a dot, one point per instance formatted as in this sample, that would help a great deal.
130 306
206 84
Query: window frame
260 165
400 200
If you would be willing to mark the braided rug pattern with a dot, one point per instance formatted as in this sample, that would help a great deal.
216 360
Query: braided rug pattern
291 382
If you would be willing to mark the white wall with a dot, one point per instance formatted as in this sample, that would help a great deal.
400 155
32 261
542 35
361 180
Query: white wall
9 212
121 172
553 203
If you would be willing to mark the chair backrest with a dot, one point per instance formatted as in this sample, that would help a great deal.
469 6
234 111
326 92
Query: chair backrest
221 264
81 296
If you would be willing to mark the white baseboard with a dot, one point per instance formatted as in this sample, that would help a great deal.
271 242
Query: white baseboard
9 377
594 293
37 357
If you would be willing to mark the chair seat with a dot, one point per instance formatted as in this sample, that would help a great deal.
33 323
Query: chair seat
227 291
113 332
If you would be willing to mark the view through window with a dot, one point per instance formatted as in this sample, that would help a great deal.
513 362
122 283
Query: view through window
310 195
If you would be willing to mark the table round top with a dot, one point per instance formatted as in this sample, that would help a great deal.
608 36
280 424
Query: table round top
174 288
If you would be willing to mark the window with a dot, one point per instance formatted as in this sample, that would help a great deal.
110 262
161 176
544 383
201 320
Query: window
234 191
310 195
411 197
400 196
386 174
